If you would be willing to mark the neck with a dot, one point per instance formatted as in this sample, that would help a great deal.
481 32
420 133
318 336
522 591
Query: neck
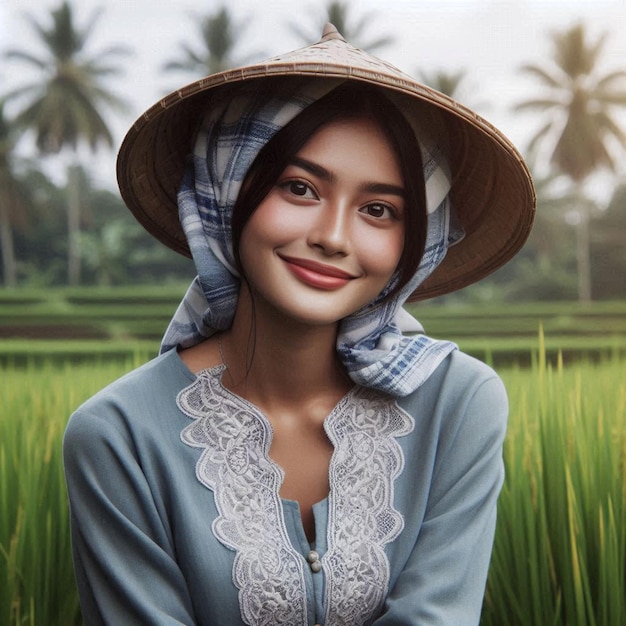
273 359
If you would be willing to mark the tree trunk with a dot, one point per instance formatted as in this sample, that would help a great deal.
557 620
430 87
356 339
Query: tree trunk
583 242
583 253
73 225
9 264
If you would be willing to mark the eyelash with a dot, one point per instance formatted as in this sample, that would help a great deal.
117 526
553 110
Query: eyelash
393 214
288 186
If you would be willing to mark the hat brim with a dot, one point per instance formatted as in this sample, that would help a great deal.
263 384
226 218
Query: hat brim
492 190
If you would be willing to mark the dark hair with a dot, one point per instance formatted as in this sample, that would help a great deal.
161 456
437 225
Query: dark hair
350 100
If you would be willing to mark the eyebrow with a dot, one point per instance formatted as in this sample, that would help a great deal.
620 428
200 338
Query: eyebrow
328 176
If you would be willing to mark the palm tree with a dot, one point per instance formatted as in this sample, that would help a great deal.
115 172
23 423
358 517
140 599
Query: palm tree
338 14
451 83
220 36
63 104
579 104
444 81
9 202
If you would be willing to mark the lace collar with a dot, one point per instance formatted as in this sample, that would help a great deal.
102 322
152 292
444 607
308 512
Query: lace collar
270 574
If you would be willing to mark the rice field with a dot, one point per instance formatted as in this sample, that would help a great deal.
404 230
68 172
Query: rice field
36 576
560 550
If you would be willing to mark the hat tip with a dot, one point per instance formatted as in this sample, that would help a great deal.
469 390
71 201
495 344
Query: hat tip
331 32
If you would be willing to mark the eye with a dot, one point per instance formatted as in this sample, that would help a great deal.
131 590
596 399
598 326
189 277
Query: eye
298 188
379 210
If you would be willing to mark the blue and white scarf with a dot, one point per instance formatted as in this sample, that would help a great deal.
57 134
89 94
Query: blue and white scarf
370 342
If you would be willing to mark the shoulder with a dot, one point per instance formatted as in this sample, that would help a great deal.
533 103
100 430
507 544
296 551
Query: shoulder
460 419
143 399
462 370
461 377
462 393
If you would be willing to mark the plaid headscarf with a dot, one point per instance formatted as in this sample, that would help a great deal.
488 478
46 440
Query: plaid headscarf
370 342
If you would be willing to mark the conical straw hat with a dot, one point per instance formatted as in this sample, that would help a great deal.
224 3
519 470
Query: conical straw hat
492 191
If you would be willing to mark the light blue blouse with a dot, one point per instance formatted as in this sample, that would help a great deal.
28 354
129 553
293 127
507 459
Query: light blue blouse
176 517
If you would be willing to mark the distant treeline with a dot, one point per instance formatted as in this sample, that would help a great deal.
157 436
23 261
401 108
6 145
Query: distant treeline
74 233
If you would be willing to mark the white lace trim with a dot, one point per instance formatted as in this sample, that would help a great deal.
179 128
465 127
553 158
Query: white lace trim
235 465
361 517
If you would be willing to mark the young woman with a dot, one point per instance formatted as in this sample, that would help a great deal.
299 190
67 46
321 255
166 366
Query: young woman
292 457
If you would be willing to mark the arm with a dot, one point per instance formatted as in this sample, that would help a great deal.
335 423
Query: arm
443 580
123 556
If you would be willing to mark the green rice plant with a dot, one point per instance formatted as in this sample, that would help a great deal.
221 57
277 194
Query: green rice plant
560 548
36 577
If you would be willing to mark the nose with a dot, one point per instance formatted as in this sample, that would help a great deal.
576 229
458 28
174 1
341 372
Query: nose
331 231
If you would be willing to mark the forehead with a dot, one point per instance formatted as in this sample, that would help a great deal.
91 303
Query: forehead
349 143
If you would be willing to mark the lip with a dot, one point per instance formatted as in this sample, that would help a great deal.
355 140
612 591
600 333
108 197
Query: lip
316 274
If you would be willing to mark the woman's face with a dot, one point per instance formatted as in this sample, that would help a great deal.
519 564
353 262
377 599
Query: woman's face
327 238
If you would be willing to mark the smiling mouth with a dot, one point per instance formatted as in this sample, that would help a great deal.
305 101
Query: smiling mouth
317 274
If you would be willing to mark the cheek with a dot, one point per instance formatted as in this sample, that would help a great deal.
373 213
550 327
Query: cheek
272 221
381 251
267 228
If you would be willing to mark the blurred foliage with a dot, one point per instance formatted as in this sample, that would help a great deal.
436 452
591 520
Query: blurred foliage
115 250
608 249
220 37
62 103
349 26
579 105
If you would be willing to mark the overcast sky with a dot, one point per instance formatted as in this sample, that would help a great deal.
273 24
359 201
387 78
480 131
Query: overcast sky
490 39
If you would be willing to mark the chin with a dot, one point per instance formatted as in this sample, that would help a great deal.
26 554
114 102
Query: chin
307 312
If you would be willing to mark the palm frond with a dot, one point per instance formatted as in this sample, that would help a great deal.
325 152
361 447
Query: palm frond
219 39
539 136
113 101
544 104
117 50
606 82
543 75
373 45
573 54
611 99
31 90
352 29
610 127
27 57
87 30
